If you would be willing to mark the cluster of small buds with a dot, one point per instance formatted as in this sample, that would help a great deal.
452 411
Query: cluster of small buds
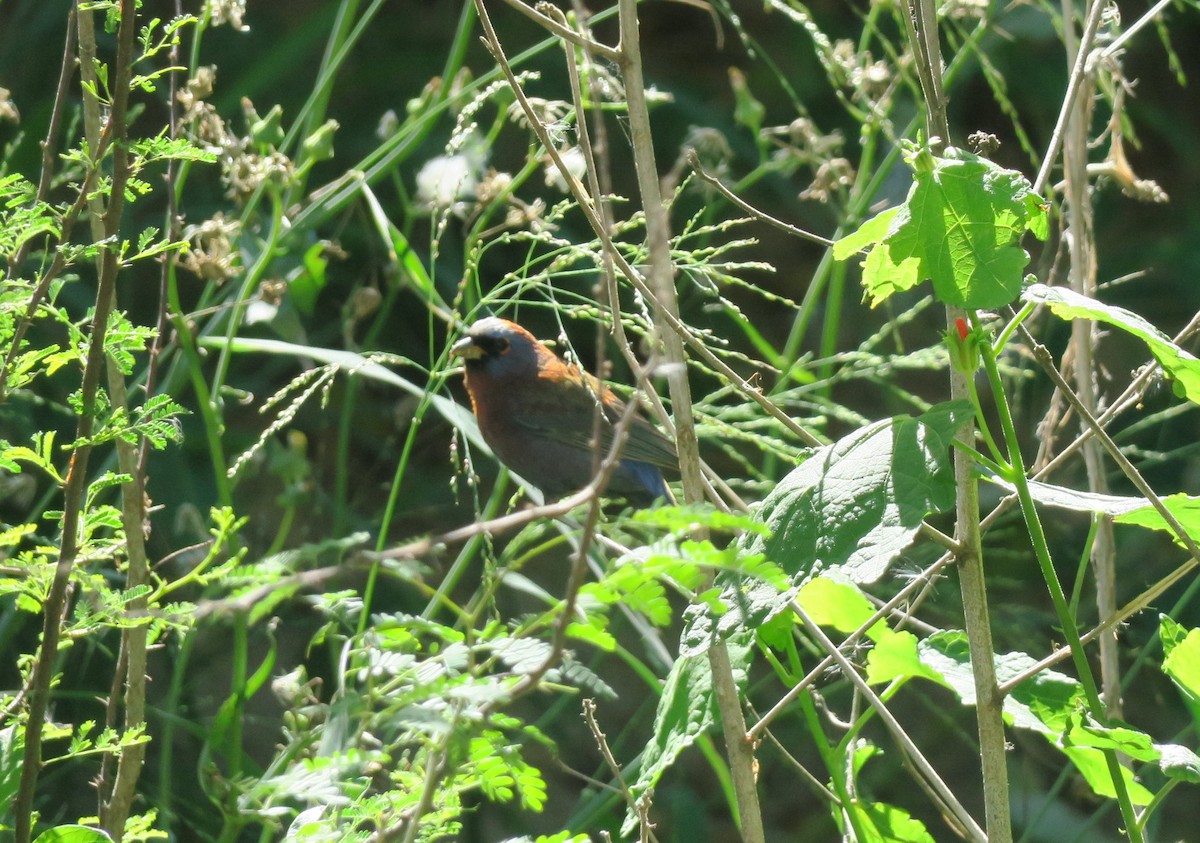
211 254
832 176
860 72
802 141
230 12
246 162
8 109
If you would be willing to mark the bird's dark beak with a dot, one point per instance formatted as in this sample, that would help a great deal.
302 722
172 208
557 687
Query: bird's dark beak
466 349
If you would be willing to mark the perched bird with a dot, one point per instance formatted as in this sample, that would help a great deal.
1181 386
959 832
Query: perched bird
536 413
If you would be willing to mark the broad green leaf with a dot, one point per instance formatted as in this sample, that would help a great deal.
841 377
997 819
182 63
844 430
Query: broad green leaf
878 821
855 505
959 227
896 656
848 510
1177 364
686 709
839 605
1182 664
971 214
1179 762
1061 497
1093 766
1137 745
1185 508
868 234
73 834
885 823
890 270
1049 704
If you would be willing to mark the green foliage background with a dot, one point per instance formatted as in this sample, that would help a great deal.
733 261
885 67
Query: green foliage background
379 273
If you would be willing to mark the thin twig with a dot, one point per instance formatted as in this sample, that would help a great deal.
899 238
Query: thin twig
1044 358
694 162
635 806
564 32
1096 426
783 704
960 814
1078 73
1119 42
662 282
1081 242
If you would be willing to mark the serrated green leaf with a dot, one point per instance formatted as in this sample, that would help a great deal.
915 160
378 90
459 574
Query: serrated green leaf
1050 704
855 505
960 227
686 709
868 234
890 269
848 510
970 215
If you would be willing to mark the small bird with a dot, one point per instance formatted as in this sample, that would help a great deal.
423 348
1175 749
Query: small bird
536 413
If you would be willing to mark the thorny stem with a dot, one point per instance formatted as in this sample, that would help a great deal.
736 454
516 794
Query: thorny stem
73 496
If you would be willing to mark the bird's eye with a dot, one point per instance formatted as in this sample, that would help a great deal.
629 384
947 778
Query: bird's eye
502 346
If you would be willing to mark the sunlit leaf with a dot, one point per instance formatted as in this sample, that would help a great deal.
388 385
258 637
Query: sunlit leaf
1177 364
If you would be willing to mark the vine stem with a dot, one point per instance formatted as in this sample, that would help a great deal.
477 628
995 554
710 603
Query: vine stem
1041 550
118 789
76 484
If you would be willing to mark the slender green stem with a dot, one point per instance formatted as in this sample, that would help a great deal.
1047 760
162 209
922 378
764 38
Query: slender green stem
1062 609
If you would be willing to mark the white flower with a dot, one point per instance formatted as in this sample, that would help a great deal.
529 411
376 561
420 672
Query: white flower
445 180
575 163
